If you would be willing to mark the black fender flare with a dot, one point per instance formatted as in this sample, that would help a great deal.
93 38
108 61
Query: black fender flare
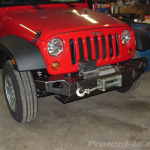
27 55
142 40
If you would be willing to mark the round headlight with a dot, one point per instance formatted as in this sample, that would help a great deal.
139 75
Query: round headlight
126 36
55 46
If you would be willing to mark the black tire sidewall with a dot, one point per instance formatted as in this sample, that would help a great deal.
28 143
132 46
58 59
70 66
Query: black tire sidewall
8 69
124 89
127 88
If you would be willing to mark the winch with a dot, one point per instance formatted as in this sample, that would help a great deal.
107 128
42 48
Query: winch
102 85
88 69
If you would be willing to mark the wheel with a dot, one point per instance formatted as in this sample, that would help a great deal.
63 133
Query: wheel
133 86
20 93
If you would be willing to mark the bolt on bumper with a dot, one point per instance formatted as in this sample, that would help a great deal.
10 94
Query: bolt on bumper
70 88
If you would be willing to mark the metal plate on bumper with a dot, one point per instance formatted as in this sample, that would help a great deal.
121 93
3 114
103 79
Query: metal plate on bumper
109 82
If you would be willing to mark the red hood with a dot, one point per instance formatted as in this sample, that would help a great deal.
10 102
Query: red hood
53 21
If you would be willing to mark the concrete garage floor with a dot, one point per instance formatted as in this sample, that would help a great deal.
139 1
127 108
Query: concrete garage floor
108 121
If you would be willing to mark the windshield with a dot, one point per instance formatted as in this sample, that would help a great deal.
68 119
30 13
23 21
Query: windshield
5 3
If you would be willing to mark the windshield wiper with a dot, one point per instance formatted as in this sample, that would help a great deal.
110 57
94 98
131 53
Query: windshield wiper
59 2
43 8
32 5
25 3
69 4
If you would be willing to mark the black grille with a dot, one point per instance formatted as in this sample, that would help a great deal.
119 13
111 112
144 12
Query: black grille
103 46
96 47
81 48
73 53
88 42
108 44
117 44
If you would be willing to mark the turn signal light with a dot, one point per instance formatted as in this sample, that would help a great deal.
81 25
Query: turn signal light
55 65
13 61
130 51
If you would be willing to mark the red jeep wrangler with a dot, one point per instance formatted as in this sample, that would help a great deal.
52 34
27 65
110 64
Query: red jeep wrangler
61 47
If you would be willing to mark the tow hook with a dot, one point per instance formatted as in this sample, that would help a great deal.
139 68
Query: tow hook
80 92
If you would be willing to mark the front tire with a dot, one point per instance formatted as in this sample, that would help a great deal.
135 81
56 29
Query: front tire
20 93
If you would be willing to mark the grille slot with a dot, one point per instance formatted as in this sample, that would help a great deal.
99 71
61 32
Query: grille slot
72 49
81 48
88 42
117 44
96 47
103 46
110 45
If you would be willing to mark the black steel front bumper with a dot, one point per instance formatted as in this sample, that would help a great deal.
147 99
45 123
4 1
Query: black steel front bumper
70 88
